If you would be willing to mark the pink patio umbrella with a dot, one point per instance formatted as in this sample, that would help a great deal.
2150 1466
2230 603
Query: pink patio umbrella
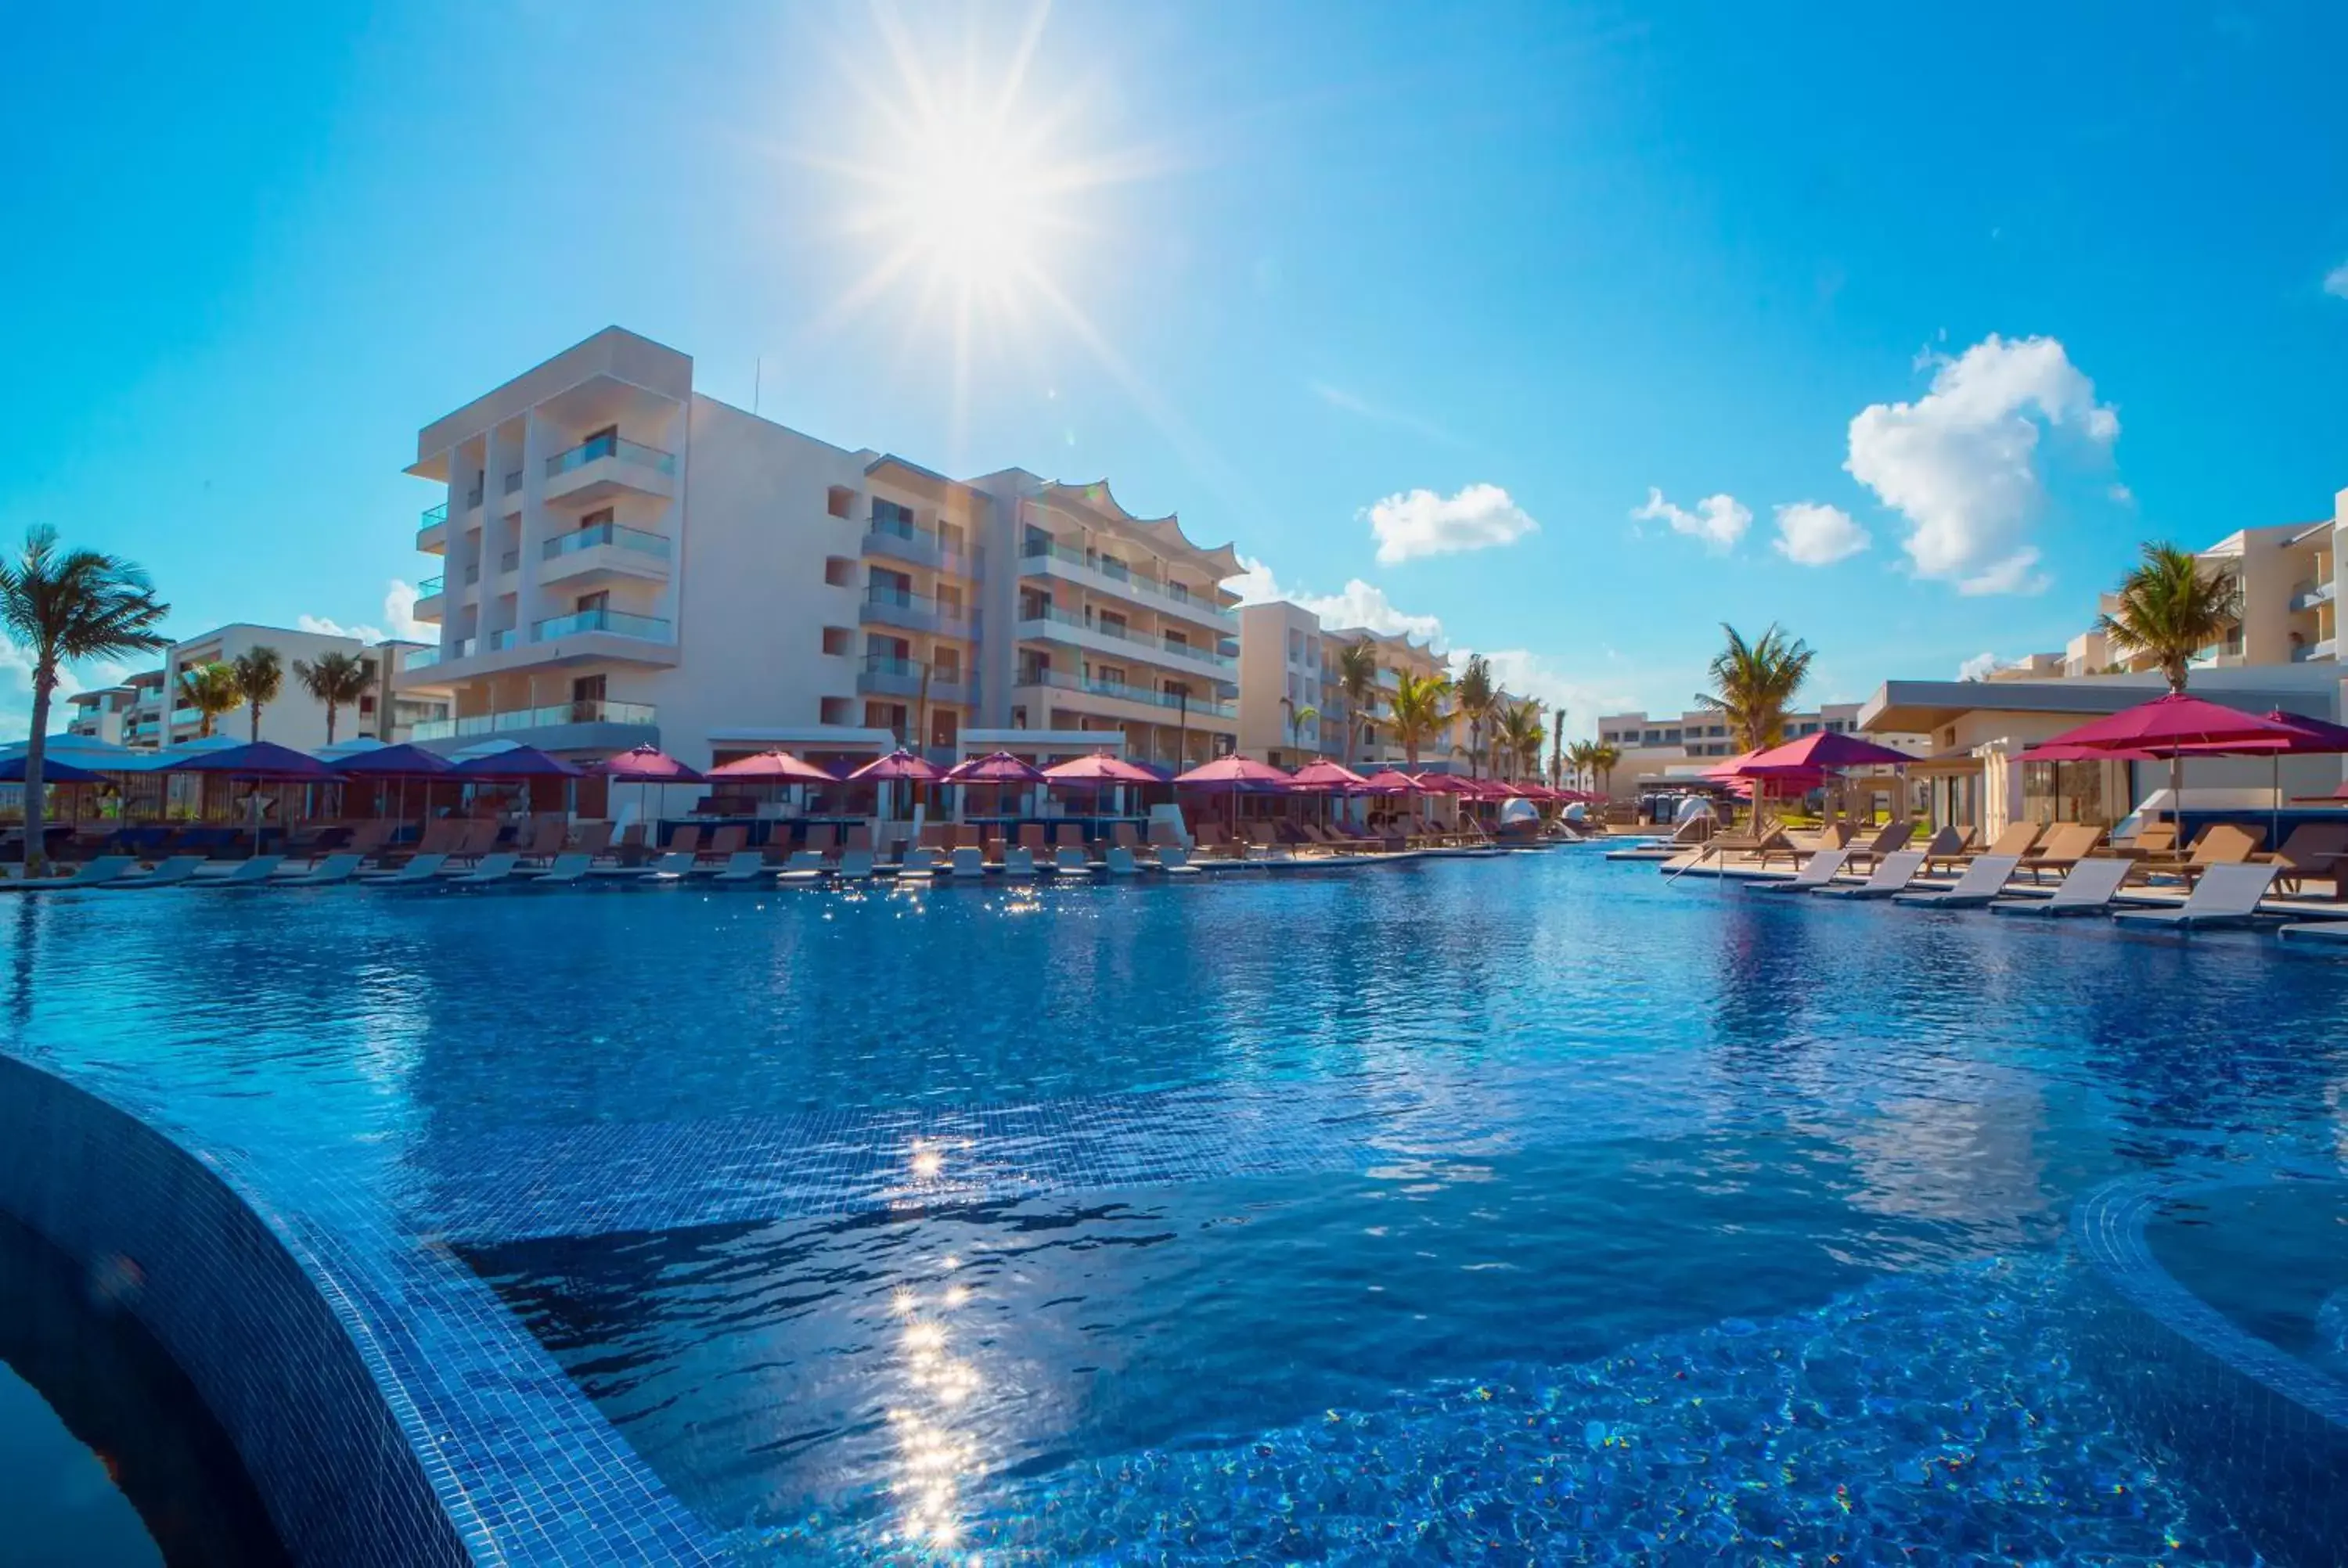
645 766
1389 781
1327 778
1234 774
1001 769
900 766
2178 726
1099 771
775 768
2310 736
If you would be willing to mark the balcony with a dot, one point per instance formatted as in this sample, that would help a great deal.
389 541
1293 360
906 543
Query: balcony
425 658
560 716
895 541
914 613
613 622
2308 594
608 465
607 548
1162 703
428 600
2320 652
1105 575
883 676
1050 623
432 533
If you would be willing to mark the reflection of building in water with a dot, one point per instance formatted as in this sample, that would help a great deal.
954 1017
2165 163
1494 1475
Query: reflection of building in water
1969 1157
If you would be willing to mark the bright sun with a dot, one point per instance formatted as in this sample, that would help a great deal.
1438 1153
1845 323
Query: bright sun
972 198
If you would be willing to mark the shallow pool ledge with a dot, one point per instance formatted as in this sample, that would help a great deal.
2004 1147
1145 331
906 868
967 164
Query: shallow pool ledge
168 1235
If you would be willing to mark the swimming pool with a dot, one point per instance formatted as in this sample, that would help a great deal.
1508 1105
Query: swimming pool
1529 1206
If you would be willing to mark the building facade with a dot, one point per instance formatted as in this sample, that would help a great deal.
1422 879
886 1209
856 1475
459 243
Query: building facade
150 709
2288 577
1658 750
626 559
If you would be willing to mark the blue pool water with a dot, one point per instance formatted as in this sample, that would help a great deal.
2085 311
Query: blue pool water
1466 1210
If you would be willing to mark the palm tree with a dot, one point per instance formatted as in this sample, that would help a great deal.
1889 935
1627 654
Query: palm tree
336 679
211 690
1557 748
1582 757
259 676
64 606
1475 696
1752 684
1418 708
2170 608
1357 677
1516 738
1603 758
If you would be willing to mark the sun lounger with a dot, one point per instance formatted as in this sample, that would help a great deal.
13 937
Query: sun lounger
1031 837
2221 844
480 838
1984 878
1175 860
672 866
969 861
1019 861
546 837
2226 895
1068 836
803 866
856 863
1820 869
1892 835
822 839
1121 863
1891 873
419 868
920 861
1070 861
2016 841
179 868
594 839
566 869
1947 845
2324 933
492 868
2065 846
334 870
89 874
2086 891
744 865
2313 849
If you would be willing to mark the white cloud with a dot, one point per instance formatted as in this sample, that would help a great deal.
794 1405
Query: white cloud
1358 604
1960 462
1718 521
398 614
1810 533
2335 282
1980 667
16 692
1422 523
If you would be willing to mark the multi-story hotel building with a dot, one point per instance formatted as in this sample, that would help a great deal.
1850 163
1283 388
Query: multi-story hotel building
626 559
1657 750
1293 706
149 710
2288 577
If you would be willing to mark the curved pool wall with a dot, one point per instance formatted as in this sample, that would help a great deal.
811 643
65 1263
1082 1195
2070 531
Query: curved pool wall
2268 1427
387 1410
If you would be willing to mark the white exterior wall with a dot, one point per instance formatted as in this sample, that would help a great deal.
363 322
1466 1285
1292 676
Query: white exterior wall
295 719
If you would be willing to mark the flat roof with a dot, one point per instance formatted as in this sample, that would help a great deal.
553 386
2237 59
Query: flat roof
1920 706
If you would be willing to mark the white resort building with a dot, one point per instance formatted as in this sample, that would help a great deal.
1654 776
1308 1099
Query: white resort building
1658 750
626 559
149 710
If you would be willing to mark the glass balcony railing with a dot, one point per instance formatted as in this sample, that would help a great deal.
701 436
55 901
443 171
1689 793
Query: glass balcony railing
947 617
594 711
510 560
434 516
605 446
499 642
627 538
513 481
1147 646
1198 707
473 495
619 624
1121 574
425 658
430 588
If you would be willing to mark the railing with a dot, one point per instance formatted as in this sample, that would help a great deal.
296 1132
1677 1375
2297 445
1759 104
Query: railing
627 539
2301 653
510 560
425 658
619 624
1203 707
473 495
1149 646
513 481
499 642
430 588
943 618
472 574
605 446
2311 592
435 518
589 711
1122 575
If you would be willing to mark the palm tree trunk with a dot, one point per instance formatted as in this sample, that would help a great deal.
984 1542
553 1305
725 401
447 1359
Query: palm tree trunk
36 743
254 709
330 723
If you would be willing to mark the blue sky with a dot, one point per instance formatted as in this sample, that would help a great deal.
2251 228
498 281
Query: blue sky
1420 306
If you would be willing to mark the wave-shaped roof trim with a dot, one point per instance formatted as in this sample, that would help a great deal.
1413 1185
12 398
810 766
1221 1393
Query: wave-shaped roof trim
1165 532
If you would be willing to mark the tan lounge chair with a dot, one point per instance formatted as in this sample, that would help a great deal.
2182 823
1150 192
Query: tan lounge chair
2065 845
1893 835
2317 849
2220 844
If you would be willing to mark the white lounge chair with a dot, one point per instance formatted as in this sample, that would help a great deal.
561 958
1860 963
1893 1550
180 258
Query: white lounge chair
1070 861
1822 867
179 868
920 861
968 862
803 866
333 870
1984 880
673 867
257 872
2225 896
565 870
419 868
1019 861
854 866
1891 873
2087 890
745 866
1175 861
2316 933
89 874
492 868
1121 863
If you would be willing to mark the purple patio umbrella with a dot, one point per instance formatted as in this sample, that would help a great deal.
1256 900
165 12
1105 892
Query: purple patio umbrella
400 763
12 771
258 762
524 765
900 766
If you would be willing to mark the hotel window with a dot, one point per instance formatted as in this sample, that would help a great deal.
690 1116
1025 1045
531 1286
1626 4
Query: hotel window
838 571
601 443
1109 674
839 501
839 640
892 516
596 518
945 663
835 711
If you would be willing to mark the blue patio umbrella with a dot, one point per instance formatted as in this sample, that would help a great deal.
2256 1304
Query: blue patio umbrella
12 771
258 762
